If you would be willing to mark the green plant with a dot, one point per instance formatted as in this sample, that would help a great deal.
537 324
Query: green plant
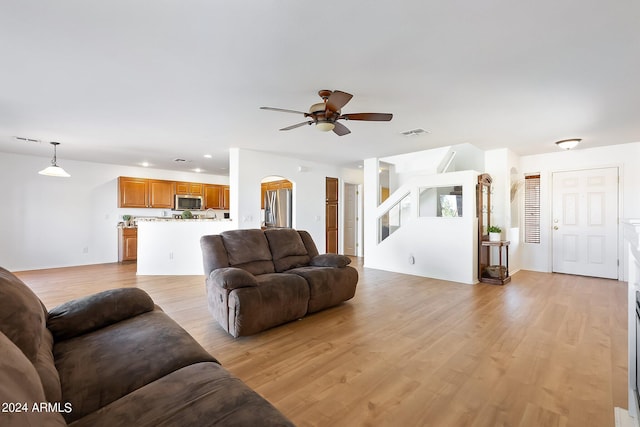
495 229
126 217
187 215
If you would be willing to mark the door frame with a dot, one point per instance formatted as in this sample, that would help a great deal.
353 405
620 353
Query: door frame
359 212
548 222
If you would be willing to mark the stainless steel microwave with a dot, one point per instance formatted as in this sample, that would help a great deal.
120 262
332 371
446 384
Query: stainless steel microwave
188 203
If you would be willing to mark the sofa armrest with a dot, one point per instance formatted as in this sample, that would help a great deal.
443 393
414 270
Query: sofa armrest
96 311
232 278
330 260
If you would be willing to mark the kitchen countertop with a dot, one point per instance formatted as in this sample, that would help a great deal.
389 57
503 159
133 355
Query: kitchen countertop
171 219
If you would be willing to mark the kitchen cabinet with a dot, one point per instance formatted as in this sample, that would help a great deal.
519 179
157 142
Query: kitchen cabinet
216 196
145 193
133 192
189 188
127 244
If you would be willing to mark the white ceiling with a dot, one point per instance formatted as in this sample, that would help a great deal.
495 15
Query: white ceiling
149 80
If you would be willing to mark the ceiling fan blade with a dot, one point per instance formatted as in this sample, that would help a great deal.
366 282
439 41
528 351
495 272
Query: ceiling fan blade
283 110
337 100
296 125
340 129
371 117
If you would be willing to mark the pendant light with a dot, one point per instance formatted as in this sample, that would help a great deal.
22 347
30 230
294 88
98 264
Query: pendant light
54 169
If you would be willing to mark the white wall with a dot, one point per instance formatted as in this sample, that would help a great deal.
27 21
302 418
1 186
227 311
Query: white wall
50 222
538 257
246 170
442 248
498 164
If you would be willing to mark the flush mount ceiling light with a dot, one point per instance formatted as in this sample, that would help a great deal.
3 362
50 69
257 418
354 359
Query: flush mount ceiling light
568 144
54 169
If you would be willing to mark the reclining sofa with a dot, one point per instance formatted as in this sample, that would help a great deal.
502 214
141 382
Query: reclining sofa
112 359
257 279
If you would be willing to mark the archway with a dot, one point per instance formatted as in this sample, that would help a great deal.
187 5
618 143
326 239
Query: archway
276 195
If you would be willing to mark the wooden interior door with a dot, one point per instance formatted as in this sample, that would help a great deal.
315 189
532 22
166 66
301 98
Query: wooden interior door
331 216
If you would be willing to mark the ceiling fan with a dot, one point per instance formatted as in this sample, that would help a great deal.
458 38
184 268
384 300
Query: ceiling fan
325 114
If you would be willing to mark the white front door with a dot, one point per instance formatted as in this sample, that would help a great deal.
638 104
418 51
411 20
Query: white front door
585 222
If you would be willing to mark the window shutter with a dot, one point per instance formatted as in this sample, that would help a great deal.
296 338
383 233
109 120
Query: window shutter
532 208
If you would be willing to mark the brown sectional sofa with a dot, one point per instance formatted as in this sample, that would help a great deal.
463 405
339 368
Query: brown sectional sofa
112 359
257 279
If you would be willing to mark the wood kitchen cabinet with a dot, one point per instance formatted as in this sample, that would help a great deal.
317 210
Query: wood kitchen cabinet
127 244
133 192
145 193
189 188
216 196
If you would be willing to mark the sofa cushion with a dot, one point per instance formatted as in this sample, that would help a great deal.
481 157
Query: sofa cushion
278 298
249 250
212 395
214 254
22 317
328 286
102 366
287 248
96 311
20 384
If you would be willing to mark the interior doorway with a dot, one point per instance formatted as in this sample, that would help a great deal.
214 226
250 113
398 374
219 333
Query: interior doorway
585 222
350 246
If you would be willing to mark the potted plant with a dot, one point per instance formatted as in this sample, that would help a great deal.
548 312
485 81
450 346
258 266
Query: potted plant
127 220
494 233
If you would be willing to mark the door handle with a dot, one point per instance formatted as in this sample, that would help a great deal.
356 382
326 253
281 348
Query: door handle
555 227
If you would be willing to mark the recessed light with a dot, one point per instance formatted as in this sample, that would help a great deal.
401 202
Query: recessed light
198 170
144 164
208 156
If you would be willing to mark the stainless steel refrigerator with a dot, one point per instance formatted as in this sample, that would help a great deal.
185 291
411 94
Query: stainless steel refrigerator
277 208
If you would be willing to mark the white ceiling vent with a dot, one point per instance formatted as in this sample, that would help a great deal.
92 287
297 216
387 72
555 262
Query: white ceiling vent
23 139
414 132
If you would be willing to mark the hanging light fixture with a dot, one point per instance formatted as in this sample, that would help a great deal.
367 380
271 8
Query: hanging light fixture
54 169
568 144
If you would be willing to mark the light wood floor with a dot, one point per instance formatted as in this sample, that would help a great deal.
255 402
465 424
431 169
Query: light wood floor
544 350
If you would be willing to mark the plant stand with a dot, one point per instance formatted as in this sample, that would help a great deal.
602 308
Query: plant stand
498 274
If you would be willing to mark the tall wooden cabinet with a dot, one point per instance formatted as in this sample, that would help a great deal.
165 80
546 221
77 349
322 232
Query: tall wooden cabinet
331 215
487 272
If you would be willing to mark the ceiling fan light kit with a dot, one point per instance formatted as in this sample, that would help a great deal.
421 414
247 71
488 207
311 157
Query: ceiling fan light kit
54 169
325 115
325 126
568 144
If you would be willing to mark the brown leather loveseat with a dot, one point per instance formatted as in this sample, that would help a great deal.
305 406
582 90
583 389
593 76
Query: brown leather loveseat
259 279
112 359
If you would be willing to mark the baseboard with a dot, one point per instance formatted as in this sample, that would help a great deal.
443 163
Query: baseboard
623 419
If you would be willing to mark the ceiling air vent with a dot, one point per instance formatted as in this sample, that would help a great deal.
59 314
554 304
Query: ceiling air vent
23 139
414 132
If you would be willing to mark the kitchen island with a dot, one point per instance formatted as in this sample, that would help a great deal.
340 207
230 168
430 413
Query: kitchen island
168 246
